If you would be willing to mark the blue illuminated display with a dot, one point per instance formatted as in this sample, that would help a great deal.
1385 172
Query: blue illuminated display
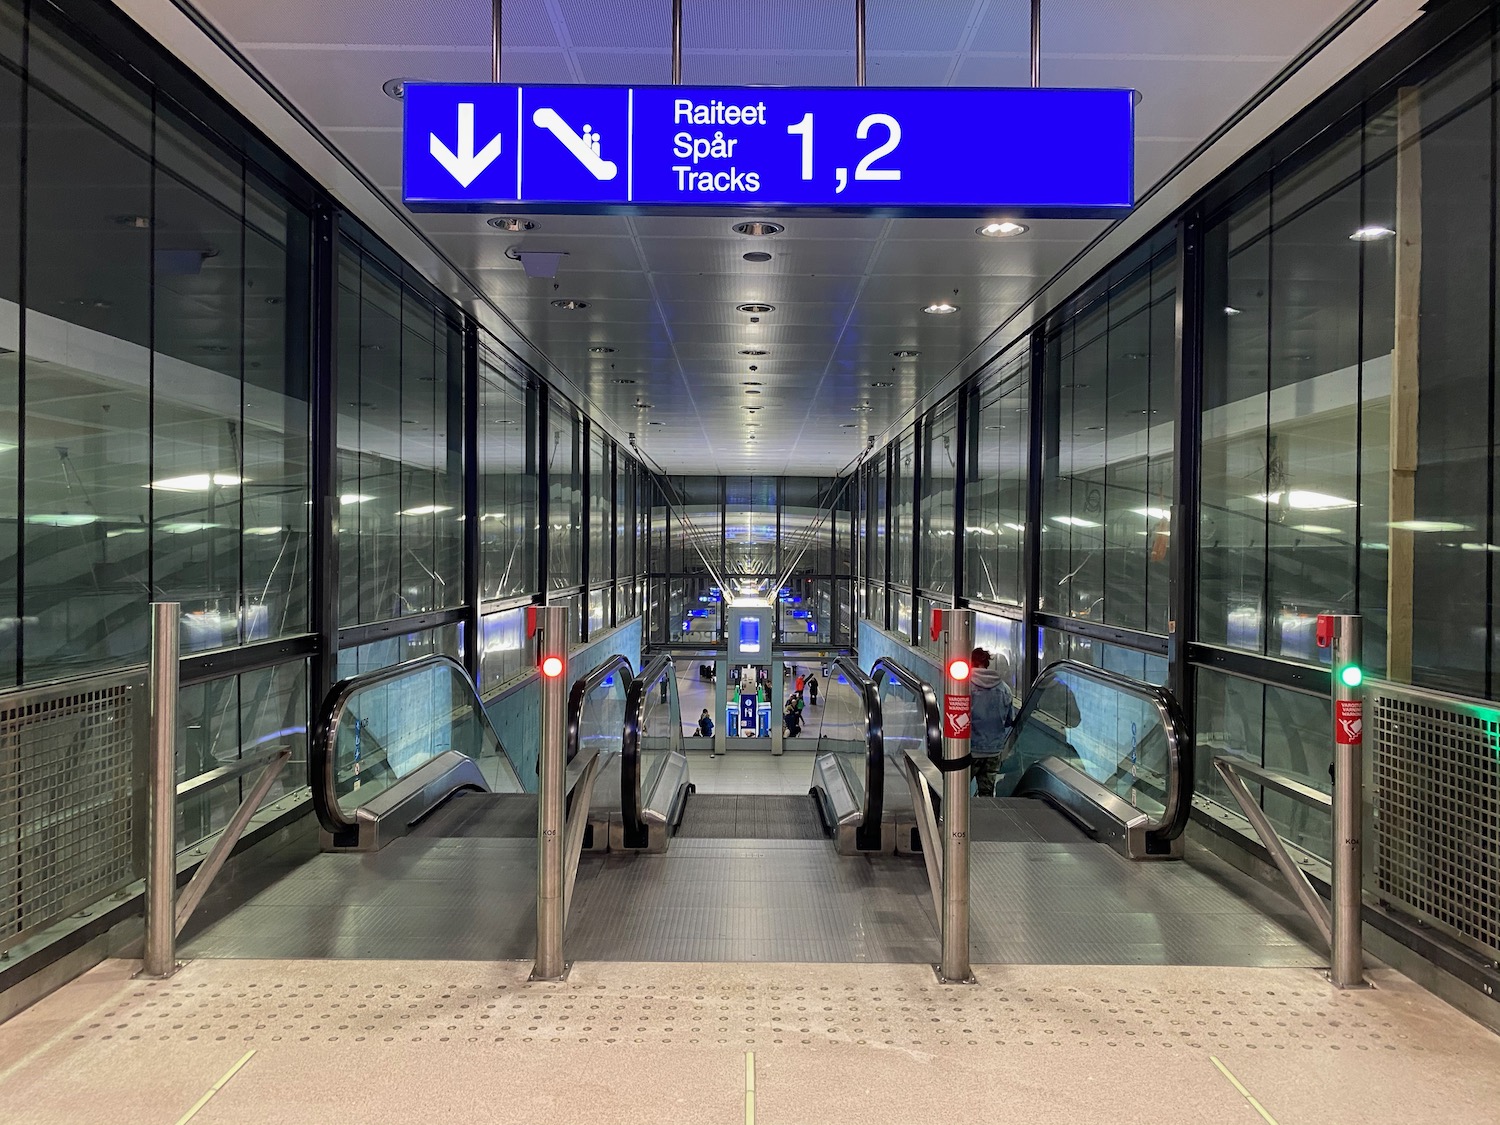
1062 152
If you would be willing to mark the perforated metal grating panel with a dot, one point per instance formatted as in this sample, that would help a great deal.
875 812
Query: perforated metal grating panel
1435 774
68 808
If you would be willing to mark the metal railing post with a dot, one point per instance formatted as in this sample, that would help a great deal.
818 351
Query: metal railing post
160 958
958 645
552 763
1346 968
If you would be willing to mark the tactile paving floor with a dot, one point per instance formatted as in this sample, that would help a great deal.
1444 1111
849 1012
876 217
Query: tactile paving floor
387 1043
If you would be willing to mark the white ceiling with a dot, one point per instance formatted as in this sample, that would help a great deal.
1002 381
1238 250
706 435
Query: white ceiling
848 291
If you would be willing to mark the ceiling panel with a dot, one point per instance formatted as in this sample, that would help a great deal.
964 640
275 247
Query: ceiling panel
662 290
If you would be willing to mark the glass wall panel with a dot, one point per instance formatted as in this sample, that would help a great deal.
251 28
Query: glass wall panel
564 437
10 339
903 472
1108 418
400 446
995 487
939 479
601 504
503 655
375 655
507 485
85 576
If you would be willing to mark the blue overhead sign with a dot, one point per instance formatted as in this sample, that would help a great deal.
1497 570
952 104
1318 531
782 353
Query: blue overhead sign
893 149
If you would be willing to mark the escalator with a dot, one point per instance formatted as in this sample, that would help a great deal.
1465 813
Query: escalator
1106 751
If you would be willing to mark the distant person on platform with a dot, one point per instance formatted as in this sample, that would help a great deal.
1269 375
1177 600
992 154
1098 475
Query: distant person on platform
705 725
990 707
812 689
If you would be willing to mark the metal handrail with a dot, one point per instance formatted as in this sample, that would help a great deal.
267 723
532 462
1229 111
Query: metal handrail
914 683
630 750
1177 798
584 686
867 835
323 771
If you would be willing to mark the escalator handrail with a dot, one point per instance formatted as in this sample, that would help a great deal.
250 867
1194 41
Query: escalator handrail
584 686
323 770
1177 800
630 750
867 836
925 691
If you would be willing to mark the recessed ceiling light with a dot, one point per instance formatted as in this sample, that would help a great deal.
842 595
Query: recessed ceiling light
757 256
862 407
1075 386
1003 229
1428 525
1093 428
1230 310
514 226
394 88
571 306
942 308
752 351
751 383
755 308
905 354
625 382
848 425
645 406
752 392
656 423
602 350
758 229
1307 501
882 386
752 409
1372 234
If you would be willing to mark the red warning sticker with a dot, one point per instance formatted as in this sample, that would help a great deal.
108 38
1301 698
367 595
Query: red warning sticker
956 716
1348 722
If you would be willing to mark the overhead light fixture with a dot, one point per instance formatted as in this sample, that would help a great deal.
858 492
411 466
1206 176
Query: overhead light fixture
755 307
1315 529
262 531
426 510
1372 234
601 349
645 406
1306 501
1016 526
942 308
512 226
571 306
394 88
757 256
752 351
882 386
751 383
187 528
196 482
752 392
758 228
119 531
63 519
1003 229
656 423
1427 525
848 425
1074 521
905 354
862 407
1153 513
1230 310
624 382
355 498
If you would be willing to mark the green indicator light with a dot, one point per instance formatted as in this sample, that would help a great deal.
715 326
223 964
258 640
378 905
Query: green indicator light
1351 675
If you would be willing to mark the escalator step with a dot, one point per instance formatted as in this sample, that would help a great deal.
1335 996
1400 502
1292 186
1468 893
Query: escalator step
722 817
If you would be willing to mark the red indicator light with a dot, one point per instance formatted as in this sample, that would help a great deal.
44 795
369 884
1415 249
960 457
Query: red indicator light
552 667
958 669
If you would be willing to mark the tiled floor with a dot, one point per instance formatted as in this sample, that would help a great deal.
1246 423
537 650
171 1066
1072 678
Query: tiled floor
751 771
386 1042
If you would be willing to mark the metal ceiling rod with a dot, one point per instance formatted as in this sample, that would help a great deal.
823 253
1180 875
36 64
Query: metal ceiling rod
1036 43
859 42
676 42
495 6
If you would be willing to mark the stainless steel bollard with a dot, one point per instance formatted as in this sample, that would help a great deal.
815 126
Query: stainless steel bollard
958 645
1346 968
160 958
552 764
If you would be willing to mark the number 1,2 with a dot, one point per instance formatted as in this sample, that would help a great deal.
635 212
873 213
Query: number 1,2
865 169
